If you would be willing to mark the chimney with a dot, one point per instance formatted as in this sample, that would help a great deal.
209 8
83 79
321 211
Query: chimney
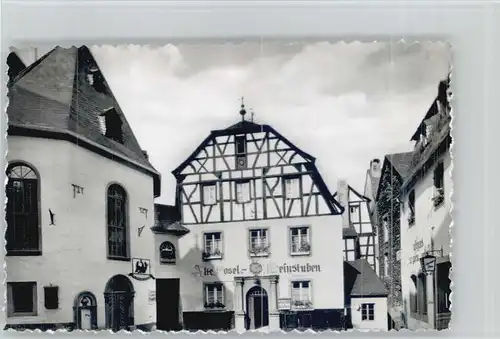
343 199
145 154
375 168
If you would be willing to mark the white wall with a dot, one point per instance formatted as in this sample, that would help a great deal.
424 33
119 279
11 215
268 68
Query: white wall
429 223
74 250
380 321
326 251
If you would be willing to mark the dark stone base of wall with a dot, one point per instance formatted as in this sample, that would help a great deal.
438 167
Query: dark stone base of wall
65 326
317 320
216 321
41 327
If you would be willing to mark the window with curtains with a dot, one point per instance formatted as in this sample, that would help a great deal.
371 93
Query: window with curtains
214 295
212 245
301 295
23 234
117 218
300 241
259 242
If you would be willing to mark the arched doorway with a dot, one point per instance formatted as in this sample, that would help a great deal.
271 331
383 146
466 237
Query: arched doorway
119 303
257 308
85 311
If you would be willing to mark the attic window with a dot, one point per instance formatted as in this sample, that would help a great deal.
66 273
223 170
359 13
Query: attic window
96 79
110 125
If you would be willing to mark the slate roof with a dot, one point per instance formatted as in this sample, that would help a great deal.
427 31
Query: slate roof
401 162
65 92
349 232
168 220
362 281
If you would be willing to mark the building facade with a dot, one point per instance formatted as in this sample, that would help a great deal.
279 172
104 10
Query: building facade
388 207
359 234
261 245
425 219
80 202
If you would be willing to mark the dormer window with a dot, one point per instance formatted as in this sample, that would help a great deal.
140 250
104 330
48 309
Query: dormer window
110 125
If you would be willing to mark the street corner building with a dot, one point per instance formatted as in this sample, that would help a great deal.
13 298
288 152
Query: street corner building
254 241
413 218
80 201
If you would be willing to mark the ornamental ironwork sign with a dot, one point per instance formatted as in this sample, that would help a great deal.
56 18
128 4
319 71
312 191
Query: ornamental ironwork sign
141 269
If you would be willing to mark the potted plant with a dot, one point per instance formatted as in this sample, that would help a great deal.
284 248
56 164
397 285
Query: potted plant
305 247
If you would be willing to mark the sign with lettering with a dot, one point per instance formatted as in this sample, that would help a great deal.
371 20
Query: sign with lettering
151 297
284 304
209 270
418 247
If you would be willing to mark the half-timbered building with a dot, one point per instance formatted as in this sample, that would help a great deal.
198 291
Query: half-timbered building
360 240
80 201
425 219
261 239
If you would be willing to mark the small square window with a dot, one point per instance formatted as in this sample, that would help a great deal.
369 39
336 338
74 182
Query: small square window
21 299
368 311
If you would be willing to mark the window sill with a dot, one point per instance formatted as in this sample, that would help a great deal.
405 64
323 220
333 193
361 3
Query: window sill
167 262
22 314
215 310
21 253
219 257
259 255
300 254
119 258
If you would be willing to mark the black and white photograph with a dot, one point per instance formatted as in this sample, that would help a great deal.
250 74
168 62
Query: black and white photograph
253 186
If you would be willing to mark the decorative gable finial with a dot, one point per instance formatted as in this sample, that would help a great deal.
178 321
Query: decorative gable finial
252 113
242 110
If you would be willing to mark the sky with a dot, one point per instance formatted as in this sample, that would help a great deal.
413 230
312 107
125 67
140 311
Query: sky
345 104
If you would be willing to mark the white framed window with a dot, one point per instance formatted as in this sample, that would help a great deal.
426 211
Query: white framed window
301 294
213 245
259 242
386 265
385 229
292 187
368 311
214 295
209 194
300 243
243 194
22 299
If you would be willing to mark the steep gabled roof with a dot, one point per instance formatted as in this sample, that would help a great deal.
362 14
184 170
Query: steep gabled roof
61 96
248 127
362 281
400 163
